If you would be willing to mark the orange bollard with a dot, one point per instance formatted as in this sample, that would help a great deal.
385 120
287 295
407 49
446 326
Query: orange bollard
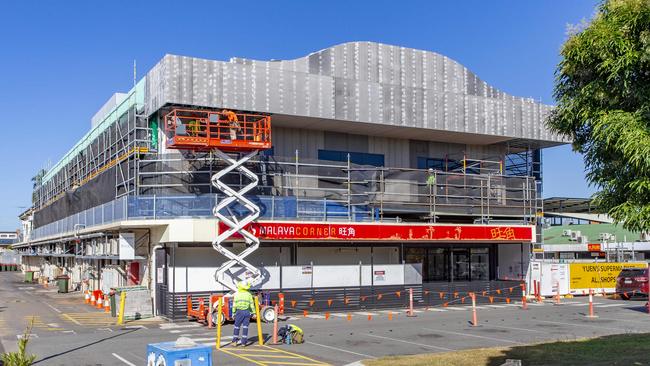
591 304
474 321
411 313
275 326
209 313
281 303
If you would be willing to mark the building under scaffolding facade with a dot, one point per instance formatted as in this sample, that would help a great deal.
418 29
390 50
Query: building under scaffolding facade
389 166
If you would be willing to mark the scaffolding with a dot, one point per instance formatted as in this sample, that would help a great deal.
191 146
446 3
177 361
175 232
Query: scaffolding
328 190
118 146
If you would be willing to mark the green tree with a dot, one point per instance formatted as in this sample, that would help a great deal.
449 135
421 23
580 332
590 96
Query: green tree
603 104
37 181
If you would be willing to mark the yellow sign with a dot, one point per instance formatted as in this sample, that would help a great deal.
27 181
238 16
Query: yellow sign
597 275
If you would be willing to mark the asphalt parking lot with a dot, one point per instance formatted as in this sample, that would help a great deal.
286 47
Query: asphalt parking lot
68 332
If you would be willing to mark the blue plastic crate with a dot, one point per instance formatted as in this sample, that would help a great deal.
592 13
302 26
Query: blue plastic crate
178 356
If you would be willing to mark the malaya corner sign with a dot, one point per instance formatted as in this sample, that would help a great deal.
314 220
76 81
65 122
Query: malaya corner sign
390 232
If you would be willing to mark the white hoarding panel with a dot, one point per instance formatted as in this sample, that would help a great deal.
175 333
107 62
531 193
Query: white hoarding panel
127 246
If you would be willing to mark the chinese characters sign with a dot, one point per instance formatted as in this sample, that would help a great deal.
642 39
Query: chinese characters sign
390 232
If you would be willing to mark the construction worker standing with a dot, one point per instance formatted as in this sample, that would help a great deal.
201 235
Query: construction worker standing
243 306
233 123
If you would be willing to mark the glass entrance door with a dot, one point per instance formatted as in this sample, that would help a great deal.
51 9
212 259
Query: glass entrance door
460 264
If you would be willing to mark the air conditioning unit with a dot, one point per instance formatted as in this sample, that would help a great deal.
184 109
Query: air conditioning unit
606 236
582 239
566 232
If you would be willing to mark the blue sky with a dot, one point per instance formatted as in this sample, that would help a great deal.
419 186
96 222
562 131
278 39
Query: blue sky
61 60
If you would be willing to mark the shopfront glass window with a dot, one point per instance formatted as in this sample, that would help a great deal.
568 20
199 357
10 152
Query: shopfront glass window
480 264
438 268
460 264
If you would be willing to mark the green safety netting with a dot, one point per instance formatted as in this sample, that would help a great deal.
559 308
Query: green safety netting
135 97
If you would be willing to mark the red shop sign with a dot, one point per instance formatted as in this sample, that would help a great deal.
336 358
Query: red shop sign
389 232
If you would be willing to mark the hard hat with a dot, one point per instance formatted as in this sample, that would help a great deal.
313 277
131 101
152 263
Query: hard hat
244 285
430 170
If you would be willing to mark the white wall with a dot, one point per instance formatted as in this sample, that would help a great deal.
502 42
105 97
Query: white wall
201 279
345 255
510 265
208 257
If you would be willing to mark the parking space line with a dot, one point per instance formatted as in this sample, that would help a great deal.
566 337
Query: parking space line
583 325
70 318
52 307
257 355
474 336
408 342
294 354
514 328
252 349
267 356
339 349
242 357
292 363
122 359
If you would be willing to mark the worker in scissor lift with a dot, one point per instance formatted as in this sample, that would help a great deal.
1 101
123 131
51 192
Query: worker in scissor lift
194 128
244 307
232 122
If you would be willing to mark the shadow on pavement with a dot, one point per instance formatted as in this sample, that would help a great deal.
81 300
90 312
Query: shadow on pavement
84 346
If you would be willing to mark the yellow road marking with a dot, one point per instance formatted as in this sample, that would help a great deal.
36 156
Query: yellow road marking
242 357
269 356
291 363
249 349
70 318
296 354
260 355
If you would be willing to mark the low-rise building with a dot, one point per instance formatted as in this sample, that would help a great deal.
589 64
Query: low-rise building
388 166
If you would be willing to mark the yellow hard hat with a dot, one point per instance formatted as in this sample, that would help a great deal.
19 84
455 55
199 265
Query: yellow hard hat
243 285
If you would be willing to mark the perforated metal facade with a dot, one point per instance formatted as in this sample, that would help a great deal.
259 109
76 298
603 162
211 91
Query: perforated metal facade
356 82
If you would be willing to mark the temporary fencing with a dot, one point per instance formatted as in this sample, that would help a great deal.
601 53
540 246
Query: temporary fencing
174 306
325 307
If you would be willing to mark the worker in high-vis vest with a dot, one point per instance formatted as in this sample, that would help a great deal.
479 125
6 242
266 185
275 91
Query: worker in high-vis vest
243 306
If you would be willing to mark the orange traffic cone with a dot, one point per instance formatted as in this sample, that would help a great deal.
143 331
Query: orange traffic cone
107 305
87 297
93 301
100 303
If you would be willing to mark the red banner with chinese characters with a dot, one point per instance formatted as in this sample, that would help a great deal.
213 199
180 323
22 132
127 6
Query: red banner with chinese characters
389 232
593 247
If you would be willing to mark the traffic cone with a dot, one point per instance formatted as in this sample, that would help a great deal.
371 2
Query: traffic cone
87 297
107 305
93 301
100 303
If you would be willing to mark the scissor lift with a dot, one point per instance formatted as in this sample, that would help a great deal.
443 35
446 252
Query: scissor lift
235 138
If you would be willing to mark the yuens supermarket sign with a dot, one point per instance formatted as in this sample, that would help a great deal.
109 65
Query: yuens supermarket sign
389 232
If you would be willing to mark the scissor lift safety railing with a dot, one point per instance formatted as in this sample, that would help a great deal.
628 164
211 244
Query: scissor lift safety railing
235 139
206 130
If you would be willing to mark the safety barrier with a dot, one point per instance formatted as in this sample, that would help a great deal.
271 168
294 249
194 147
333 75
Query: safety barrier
325 306
174 306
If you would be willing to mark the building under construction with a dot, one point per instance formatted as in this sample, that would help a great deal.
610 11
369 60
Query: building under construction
375 165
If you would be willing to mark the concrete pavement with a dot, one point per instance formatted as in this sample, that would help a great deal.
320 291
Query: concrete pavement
67 334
